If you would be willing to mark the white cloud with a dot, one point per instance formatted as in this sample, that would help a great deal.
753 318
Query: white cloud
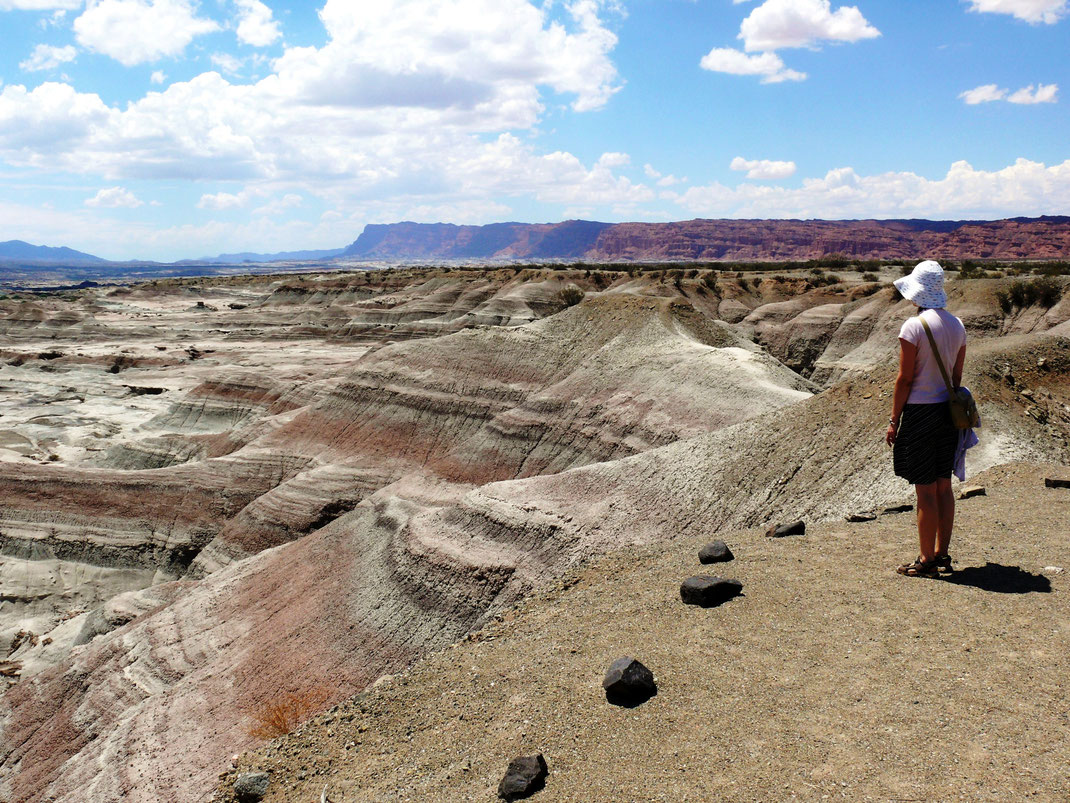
256 26
983 94
735 62
1024 188
38 5
278 205
226 200
1034 11
1041 93
227 63
406 100
777 24
614 159
763 169
114 197
158 76
47 57
136 31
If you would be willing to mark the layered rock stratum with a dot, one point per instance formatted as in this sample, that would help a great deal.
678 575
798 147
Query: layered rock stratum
217 492
746 240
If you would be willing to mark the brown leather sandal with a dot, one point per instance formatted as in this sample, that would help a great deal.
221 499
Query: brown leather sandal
919 568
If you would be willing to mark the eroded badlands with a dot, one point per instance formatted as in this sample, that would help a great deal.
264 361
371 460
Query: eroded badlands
217 491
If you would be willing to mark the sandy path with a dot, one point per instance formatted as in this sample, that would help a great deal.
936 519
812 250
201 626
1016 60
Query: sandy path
831 678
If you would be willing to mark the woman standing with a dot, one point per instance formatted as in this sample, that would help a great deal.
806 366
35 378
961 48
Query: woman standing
920 429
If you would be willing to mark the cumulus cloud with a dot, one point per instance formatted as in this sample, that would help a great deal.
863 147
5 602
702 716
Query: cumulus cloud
777 24
1027 95
403 101
158 76
1034 11
763 169
137 31
735 62
47 57
226 200
256 26
662 180
1043 93
278 205
114 197
1024 188
38 5
227 63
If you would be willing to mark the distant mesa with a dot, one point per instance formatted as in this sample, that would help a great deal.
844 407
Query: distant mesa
743 240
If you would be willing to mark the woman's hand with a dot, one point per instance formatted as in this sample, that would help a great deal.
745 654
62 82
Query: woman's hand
889 436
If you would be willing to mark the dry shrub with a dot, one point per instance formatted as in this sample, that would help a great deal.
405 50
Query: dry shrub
284 712
571 295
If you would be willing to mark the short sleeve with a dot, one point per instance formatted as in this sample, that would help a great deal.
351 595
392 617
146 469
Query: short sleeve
910 331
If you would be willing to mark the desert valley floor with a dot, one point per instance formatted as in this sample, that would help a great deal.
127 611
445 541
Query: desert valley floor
441 502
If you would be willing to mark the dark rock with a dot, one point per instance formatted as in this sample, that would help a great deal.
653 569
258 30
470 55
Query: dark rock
707 591
867 515
526 776
971 491
251 786
715 552
1052 482
897 509
781 530
628 682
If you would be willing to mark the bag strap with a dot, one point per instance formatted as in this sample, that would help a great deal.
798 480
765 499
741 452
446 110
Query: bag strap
936 354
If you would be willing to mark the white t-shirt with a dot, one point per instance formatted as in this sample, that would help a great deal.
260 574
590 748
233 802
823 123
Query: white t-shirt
950 335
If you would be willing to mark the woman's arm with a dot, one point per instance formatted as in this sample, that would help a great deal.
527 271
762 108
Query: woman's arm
908 352
956 374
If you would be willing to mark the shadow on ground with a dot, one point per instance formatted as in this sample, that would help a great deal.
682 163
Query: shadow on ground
1000 579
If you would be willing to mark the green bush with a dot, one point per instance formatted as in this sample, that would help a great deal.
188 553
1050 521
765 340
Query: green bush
1046 291
870 277
1019 294
710 280
1004 300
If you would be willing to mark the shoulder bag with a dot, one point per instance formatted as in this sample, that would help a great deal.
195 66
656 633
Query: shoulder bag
961 403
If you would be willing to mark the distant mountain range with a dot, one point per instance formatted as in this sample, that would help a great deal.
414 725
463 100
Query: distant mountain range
280 256
1045 237
19 250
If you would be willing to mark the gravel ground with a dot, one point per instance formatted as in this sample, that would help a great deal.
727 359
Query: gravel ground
830 678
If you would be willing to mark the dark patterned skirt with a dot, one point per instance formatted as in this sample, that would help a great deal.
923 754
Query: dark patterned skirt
925 446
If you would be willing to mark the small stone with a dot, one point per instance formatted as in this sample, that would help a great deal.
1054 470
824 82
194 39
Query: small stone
1027 394
707 591
251 787
971 491
628 682
1042 363
1052 482
715 552
1052 570
526 776
866 515
782 530
896 509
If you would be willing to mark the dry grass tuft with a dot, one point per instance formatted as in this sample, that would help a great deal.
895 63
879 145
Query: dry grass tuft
281 714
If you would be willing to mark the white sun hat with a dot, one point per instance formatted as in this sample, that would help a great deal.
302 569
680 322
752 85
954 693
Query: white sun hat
924 286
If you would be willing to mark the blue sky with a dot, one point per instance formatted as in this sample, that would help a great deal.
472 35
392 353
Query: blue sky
164 129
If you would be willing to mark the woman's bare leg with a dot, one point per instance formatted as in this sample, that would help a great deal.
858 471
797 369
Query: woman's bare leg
928 519
945 498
